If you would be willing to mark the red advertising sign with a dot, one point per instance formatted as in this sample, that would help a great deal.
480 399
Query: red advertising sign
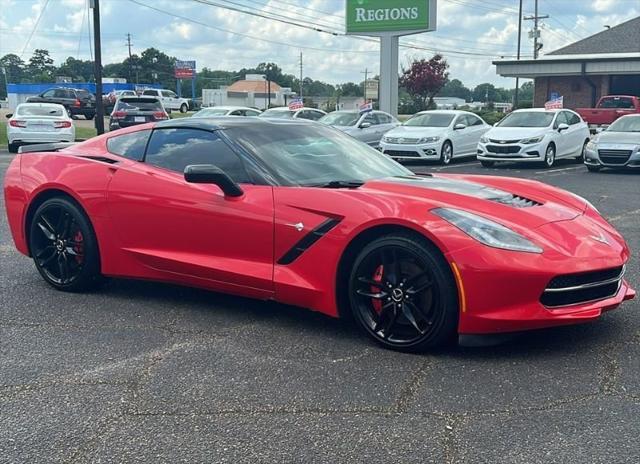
183 73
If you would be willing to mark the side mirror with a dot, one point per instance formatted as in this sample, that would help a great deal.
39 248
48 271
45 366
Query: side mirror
365 125
563 127
8 115
459 127
210 174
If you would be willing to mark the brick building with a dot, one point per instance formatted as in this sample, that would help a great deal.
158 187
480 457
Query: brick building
605 63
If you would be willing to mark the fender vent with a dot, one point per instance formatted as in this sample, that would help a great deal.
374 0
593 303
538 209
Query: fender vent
102 159
308 240
517 201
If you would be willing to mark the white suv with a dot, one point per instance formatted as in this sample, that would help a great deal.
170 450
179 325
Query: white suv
169 99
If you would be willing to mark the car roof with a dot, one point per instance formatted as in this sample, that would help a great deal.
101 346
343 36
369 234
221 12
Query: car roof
221 122
451 112
229 108
540 110
286 108
40 104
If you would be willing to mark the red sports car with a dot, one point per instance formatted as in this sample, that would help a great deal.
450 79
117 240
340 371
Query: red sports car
303 214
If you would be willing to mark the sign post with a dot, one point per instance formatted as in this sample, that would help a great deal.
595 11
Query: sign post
185 70
389 20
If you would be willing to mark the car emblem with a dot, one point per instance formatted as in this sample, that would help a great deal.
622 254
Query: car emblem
502 141
397 294
400 140
600 238
299 226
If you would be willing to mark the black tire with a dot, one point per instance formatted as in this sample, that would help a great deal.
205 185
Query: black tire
488 164
412 306
446 153
549 156
89 116
13 147
63 246
580 159
593 168
184 108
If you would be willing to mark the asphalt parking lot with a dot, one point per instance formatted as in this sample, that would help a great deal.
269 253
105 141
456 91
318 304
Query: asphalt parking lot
144 372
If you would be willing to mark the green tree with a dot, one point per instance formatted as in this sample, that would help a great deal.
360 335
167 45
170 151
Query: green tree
484 93
350 89
40 67
455 88
78 70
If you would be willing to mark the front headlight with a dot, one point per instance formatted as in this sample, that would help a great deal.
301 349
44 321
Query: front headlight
487 232
428 139
484 139
592 146
531 140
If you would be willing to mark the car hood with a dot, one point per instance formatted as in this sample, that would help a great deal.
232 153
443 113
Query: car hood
415 131
519 202
515 133
632 138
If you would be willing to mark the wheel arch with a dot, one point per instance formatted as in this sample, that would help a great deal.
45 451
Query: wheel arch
358 242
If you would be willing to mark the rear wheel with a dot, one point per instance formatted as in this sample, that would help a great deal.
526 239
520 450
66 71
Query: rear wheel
64 247
183 108
402 294
446 154
487 164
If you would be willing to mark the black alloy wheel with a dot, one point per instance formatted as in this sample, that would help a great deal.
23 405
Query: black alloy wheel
402 294
63 246
446 154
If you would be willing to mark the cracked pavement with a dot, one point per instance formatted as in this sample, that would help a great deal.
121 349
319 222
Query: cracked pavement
146 372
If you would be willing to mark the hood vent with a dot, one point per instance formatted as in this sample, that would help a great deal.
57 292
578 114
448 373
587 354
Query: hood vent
517 201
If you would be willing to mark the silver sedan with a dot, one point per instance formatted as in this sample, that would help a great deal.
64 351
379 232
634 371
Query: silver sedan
616 147
367 127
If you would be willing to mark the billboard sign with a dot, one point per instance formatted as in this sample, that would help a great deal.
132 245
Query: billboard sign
184 69
378 17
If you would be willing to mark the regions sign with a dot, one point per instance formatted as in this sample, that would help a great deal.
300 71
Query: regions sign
395 17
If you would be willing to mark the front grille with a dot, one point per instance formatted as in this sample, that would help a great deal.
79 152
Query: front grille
614 156
571 289
402 140
503 141
409 154
517 201
503 149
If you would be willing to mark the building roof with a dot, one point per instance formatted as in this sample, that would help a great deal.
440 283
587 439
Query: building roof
623 38
253 86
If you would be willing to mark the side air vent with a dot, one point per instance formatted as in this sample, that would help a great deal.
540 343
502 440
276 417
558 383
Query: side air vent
102 159
517 201
308 240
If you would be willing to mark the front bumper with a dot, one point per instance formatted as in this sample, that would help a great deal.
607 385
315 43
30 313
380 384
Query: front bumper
512 152
427 151
613 156
504 291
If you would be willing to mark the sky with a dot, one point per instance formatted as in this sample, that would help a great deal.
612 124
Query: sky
470 33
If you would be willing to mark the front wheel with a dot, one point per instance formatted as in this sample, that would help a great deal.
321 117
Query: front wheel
550 156
64 246
446 154
580 159
183 108
402 294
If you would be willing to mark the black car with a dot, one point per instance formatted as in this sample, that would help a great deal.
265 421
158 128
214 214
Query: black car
131 111
76 101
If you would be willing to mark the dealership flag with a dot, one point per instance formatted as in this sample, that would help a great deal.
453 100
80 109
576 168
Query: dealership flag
365 108
555 104
296 104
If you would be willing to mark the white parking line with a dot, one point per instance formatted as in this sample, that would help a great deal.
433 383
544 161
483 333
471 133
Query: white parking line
624 215
559 170
451 166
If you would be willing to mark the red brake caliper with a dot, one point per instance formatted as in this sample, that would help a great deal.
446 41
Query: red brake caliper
79 248
377 277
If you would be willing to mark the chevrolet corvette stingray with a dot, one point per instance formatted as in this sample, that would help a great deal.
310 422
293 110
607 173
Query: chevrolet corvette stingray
303 214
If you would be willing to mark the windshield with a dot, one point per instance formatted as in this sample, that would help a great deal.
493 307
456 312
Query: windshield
281 114
527 119
210 112
39 111
430 120
313 154
616 102
138 104
628 124
341 118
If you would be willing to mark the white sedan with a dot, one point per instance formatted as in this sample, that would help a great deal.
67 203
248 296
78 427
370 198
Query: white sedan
367 127
284 112
216 111
39 123
535 135
435 135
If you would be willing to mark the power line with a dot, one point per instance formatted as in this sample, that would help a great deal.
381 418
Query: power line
84 16
35 26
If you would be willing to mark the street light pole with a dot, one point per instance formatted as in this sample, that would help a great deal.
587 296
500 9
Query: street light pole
516 95
99 121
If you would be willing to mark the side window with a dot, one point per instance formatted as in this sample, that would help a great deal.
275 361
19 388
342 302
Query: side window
49 94
130 145
150 92
384 119
315 115
253 113
574 118
473 121
372 119
237 113
175 149
561 119
60 93
462 119
304 114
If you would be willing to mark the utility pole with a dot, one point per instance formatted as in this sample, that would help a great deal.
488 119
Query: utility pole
536 30
95 5
516 94
268 69
301 71
364 86
130 63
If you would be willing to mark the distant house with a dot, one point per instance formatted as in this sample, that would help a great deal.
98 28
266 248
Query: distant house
253 91
605 63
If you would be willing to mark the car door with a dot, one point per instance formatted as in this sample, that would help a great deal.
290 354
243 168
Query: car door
562 139
461 139
477 129
192 231
370 135
168 100
385 124
576 133
48 96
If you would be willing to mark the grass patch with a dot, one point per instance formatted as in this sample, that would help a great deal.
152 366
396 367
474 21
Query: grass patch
179 115
82 133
